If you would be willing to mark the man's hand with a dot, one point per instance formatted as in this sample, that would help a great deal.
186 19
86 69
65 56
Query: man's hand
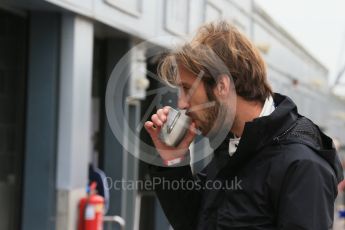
154 126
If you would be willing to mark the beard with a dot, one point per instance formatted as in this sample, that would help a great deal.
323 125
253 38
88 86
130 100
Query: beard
211 121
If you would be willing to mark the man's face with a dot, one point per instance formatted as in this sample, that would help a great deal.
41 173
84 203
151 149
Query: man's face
192 97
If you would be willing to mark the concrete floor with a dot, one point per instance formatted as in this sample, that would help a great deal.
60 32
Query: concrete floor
338 224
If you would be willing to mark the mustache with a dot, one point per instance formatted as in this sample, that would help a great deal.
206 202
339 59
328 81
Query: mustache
192 115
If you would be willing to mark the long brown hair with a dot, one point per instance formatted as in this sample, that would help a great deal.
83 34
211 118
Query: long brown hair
219 48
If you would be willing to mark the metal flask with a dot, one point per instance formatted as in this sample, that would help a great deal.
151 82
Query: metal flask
175 128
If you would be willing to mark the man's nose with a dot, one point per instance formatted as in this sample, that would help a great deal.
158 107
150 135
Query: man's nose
183 101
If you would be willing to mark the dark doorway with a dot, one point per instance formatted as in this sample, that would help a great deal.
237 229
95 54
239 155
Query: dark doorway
13 71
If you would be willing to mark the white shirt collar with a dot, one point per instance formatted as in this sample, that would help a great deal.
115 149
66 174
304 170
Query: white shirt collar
268 107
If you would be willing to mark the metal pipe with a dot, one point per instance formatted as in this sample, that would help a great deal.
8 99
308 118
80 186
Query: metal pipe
114 219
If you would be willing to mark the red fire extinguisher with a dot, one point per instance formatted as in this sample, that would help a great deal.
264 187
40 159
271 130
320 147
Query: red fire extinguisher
91 210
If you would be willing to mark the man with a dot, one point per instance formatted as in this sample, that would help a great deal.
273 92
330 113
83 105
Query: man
286 170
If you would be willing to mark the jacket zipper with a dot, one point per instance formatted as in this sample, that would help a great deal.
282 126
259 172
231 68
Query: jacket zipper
277 139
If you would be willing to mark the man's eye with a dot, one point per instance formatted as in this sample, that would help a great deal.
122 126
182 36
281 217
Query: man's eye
184 89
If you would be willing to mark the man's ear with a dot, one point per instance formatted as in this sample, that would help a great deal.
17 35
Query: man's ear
223 85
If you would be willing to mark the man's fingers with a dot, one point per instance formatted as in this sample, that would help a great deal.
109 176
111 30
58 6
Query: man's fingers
148 125
161 115
191 133
153 131
156 121
189 137
166 110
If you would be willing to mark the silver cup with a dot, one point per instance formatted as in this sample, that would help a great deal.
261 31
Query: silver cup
175 128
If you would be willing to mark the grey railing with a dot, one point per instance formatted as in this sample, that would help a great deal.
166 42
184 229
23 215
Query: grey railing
110 221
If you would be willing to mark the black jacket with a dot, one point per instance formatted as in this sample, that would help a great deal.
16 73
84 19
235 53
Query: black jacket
284 175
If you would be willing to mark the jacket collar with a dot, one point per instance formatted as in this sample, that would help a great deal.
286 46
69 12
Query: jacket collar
267 109
257 134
